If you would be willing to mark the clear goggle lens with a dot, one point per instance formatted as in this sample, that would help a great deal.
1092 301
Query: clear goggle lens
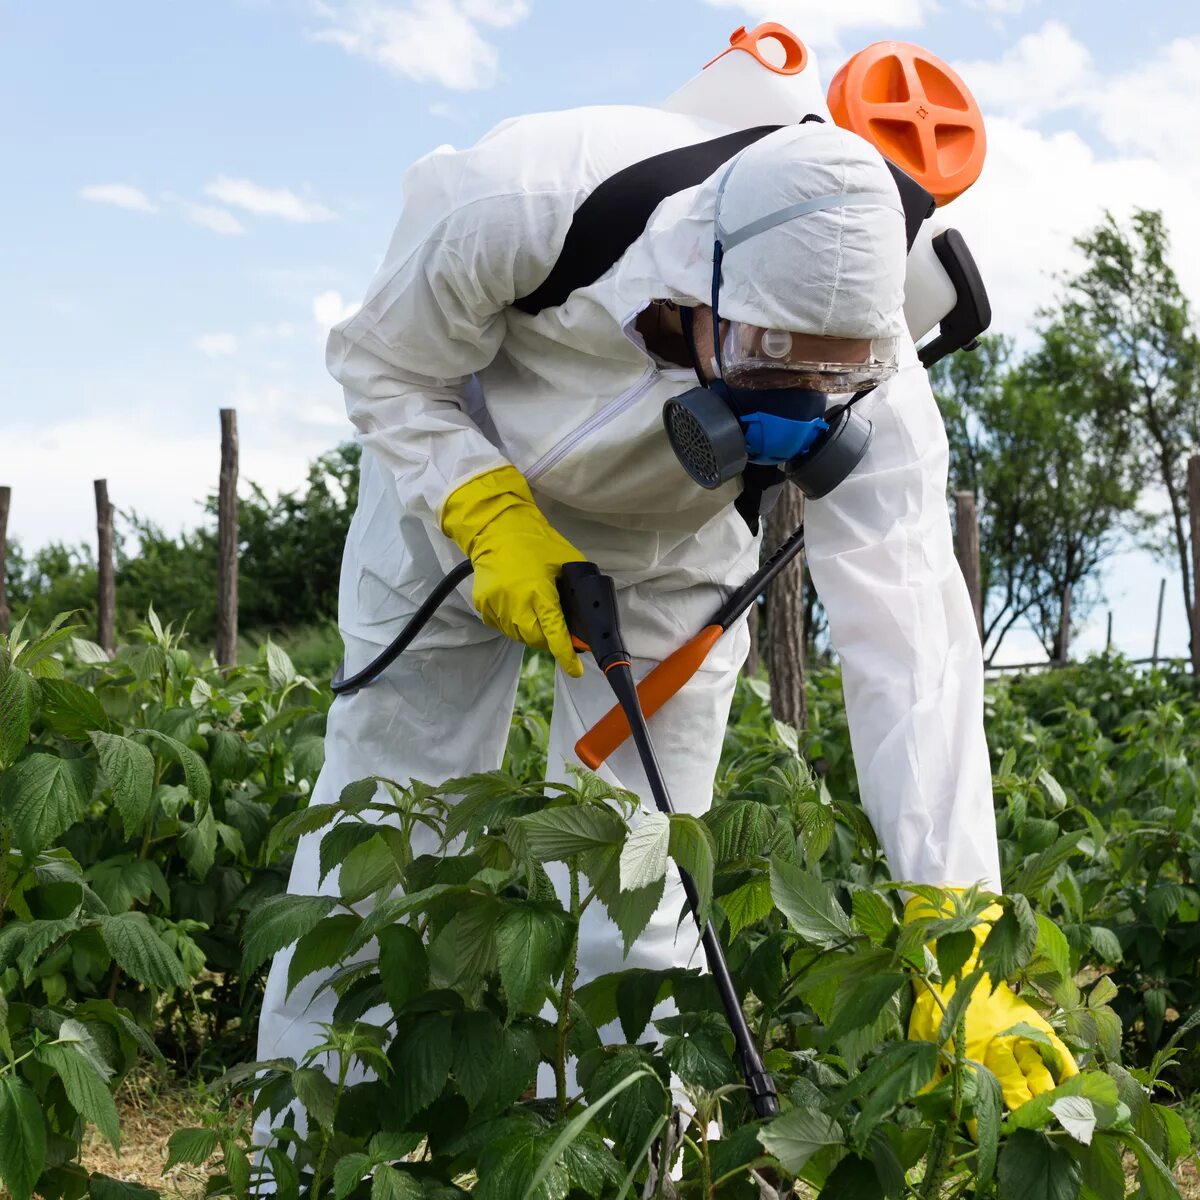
777 358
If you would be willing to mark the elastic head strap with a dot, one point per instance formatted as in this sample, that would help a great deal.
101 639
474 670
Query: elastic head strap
725 239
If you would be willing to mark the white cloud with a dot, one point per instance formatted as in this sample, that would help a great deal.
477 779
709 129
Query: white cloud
438 41
219 220
329 309
123 195
217 345
1004 8
1044 71
265 201
1041 189
821 23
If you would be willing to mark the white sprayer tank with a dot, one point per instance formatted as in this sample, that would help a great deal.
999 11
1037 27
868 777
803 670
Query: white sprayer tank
768 76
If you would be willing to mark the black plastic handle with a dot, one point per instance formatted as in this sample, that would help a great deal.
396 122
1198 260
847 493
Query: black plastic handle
589 603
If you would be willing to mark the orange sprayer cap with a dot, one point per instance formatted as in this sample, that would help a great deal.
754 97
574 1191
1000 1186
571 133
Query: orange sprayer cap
916 112
795 55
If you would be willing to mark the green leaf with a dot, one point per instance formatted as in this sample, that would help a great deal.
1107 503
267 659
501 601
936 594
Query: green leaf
853 1178
322 947
1077 1115
1012 940
1152 1171
1091 1085
22 1137
862 1001
1052 945
507 1168
631 1115
71 710
314 1089
278 922
1102 1167
195 773
560 833
86 1088
349 1173
692 847
1053 789
957 1006
571 1132
694 1049
390 1184
280 671
531 946
797 1135
128 769
367 869
748 904
873 915
403 963
808 905
422 1054
102 1187
1032 1167
1106 944
340 840
478 1042
140 952
16 712
1103 991
952 951
198 844
44 795
192 1146
989 1111
643 859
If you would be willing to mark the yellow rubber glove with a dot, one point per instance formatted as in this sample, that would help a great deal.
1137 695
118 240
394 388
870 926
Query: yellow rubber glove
517 557
1014 1060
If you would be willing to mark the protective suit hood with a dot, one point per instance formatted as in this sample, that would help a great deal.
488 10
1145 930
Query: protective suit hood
838 271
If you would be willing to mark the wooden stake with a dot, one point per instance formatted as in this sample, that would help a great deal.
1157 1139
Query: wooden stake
1064 629
227 542
966 549
5 614
1108 635
1193 480
785 618
106 589
1162 591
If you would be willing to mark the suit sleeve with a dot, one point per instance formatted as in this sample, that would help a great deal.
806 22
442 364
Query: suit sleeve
900 619
433 316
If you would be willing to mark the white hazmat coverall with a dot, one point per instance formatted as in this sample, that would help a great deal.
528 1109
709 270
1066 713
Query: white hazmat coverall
444 381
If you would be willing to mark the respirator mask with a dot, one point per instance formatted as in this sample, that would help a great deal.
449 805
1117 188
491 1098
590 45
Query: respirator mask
767 399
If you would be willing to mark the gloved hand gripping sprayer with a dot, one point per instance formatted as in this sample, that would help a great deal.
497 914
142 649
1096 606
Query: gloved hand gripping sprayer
888 79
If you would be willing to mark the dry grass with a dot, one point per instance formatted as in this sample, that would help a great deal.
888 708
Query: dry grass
152 1107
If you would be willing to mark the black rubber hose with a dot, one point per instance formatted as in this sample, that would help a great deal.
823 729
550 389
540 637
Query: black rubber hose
417 622
758 1080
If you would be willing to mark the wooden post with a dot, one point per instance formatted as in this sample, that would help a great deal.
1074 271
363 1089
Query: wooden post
785 618
106 591
966 548
1162 591
1064 628
1108 635
227 542
5 614
753 659
1193 480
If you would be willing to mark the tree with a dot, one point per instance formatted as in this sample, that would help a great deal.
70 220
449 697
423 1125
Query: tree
1053 472
1127 306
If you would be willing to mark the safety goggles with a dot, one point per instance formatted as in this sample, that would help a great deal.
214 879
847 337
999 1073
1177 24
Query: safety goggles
753 357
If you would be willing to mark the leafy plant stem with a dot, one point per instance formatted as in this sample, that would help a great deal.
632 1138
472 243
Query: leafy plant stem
318 1171
564 1006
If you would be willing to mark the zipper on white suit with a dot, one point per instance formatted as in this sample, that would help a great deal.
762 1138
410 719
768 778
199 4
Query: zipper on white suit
594 423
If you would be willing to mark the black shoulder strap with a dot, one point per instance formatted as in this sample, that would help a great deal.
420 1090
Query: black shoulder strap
614 214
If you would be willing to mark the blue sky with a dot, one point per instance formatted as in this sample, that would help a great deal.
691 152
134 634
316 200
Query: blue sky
195 191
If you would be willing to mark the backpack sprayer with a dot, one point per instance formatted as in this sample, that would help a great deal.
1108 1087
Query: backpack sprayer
925 122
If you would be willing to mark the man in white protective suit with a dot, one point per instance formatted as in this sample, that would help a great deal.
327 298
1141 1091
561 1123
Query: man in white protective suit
527 441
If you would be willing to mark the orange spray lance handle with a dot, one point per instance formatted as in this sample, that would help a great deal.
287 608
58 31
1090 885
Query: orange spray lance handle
654 691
